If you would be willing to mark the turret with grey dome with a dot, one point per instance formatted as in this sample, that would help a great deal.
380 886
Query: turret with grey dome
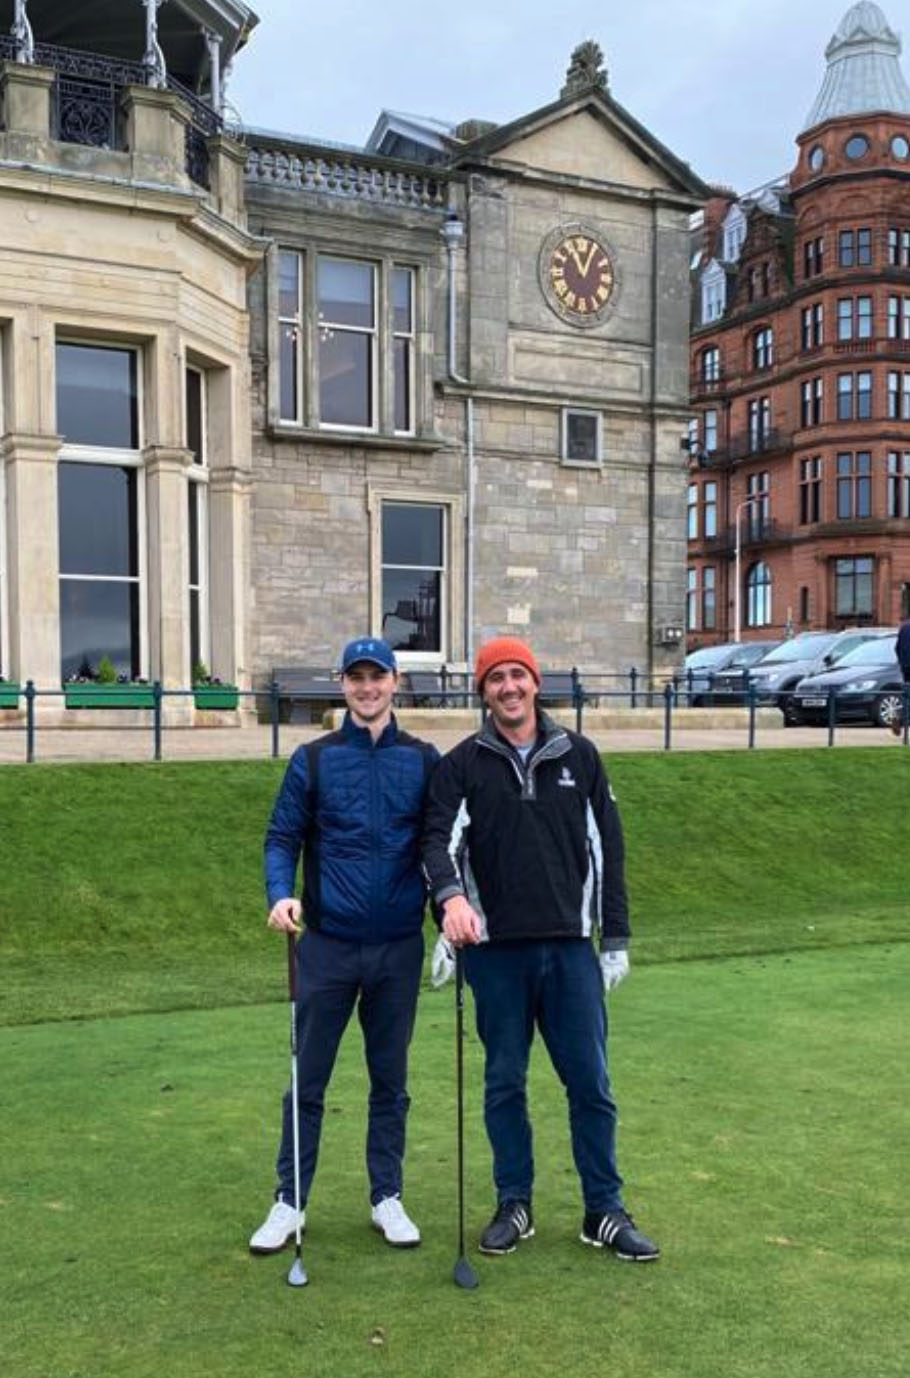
864 73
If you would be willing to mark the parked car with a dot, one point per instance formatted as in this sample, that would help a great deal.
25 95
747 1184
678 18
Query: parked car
731 684
811 653
695 680
868 686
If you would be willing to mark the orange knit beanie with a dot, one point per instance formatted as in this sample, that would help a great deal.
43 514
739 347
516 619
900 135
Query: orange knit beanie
497 652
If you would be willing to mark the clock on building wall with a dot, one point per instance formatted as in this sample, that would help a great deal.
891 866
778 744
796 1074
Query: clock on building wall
577 272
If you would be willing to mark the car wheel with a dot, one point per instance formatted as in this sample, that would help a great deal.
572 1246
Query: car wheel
889 709
792 716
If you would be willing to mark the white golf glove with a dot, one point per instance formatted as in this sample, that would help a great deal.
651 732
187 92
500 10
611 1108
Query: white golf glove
442 965
614 967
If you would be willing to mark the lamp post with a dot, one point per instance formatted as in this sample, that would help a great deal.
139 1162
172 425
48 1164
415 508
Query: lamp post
737 592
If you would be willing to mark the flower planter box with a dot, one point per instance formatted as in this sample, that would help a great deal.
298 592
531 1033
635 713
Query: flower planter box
9 695
109 695
215 696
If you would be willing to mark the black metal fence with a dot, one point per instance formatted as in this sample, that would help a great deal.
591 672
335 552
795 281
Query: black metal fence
452 691
87 102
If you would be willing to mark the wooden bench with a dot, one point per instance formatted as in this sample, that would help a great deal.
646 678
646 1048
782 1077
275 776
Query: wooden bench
300 685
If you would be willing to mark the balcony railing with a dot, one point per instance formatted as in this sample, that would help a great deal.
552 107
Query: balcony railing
87 102
355 176
762 442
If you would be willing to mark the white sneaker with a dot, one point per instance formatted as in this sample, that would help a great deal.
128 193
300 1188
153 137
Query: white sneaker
391 1218
278 1228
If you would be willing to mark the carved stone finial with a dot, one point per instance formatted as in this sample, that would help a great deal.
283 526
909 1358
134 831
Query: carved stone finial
586 69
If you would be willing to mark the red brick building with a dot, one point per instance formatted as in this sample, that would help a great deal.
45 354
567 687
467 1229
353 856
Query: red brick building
799 494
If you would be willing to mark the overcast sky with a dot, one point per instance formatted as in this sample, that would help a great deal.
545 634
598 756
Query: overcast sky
725 84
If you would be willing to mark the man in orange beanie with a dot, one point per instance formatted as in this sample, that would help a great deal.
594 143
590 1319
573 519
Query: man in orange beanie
524 853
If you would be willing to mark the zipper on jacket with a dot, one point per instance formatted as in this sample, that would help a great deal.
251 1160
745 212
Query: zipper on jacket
375 835
552 748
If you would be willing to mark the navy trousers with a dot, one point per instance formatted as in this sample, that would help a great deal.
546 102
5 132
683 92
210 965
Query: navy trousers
382 980
555 986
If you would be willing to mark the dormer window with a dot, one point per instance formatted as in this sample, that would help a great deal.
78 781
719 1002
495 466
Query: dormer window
734 234
713 292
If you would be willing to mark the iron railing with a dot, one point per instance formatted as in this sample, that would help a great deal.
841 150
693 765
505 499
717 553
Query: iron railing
87 95
672 696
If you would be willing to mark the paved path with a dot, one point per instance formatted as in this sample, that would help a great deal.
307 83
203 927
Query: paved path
206 743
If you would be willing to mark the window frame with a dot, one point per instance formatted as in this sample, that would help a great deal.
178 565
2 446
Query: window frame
383 262
709 598
370 333
758 594
810 490
564 417
117 457
763 348
452 584
899 484
853 574
197 478
853 485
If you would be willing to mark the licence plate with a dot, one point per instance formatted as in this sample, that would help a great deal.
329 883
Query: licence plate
813 703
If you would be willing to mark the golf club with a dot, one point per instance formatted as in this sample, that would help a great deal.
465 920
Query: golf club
297 1277
464 1275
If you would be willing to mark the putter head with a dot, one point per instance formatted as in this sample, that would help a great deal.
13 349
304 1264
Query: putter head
297 1277
464 1275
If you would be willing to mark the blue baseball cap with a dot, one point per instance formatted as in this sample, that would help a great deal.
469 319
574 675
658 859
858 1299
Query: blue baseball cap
371 649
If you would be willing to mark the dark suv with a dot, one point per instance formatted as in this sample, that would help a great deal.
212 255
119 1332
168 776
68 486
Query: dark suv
867 683
777 675
731 684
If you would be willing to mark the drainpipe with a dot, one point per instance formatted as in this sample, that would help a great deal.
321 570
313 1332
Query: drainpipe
652 457
453 234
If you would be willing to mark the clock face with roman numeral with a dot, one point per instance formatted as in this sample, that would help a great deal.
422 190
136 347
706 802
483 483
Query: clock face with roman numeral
577 274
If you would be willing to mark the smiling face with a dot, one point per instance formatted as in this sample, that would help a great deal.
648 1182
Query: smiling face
368 691
510 692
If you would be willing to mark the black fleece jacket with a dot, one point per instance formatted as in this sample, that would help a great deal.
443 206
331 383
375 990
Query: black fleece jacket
536 848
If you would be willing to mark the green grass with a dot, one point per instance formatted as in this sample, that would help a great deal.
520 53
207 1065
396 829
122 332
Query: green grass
758 1054
763 1134
140 887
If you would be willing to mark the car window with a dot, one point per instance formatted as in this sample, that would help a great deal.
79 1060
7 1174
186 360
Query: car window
848 644
800 648
748 654
878 651
708 655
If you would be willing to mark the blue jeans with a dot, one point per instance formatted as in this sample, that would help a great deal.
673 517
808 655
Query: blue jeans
383 980
557 986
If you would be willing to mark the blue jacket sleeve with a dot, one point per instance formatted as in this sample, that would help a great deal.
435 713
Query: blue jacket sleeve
287 829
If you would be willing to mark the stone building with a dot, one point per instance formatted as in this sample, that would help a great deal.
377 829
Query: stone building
470 387
125 459
800 363
259 395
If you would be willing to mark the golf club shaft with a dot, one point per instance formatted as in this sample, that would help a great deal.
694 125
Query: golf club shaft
295 1096
459 1083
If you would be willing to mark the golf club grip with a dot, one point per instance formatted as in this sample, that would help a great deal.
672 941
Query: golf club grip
292 967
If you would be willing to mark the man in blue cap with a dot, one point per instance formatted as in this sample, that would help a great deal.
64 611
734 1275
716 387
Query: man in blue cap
352 802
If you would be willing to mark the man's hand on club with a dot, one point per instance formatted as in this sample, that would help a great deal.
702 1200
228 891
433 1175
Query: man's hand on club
614 967
460 924
442 965
285 916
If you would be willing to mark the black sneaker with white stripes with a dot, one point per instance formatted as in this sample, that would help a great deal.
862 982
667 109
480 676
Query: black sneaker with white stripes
511 1223
616 1230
